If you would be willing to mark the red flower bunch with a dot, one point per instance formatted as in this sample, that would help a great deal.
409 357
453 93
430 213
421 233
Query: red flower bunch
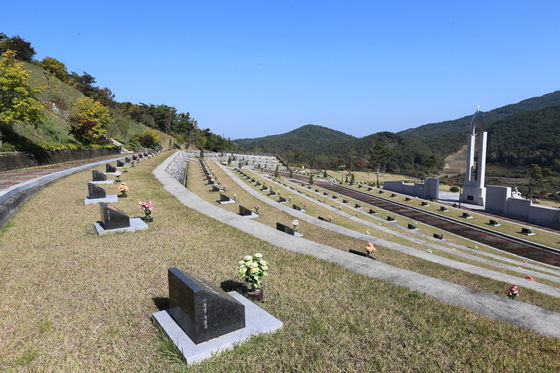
512 292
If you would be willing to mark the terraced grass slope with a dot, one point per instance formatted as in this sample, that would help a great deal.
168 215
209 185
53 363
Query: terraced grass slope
73 301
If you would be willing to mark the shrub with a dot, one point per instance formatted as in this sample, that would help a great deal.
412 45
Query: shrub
454 189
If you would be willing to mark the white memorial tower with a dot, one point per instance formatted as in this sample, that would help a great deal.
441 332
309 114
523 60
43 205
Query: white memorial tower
474 191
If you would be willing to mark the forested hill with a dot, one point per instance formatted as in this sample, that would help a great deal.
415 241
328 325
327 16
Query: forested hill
519 134
310 138
446 137
526 138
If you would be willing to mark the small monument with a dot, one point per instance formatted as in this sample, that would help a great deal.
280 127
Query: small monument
202 320
114 221
97 194
100 178
201 310
110 168
245 212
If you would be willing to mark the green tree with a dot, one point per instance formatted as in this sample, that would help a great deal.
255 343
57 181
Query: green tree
352 179
276 172
55 67
325 175
431 166
378 155
18 101
311 179
23 49
89 120
539 176
149 139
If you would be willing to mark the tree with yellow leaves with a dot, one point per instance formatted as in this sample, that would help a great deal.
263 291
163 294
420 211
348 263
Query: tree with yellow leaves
18 101
89 120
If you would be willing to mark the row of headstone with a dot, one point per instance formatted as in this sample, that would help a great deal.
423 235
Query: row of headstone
111 219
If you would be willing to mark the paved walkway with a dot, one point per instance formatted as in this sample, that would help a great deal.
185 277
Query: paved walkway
496 307
14 177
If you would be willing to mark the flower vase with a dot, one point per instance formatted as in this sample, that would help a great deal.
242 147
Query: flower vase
256 294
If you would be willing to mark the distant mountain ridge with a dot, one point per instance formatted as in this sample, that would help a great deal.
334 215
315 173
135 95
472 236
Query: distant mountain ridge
534 119
310 138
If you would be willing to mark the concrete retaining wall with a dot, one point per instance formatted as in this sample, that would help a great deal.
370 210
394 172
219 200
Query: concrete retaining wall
178 168
11 161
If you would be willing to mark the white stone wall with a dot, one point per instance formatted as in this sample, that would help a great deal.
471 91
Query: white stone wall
429 189
499 200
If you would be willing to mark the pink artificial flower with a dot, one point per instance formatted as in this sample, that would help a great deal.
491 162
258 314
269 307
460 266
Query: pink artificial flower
529 278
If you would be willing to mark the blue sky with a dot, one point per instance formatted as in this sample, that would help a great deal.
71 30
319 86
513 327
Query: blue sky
253 68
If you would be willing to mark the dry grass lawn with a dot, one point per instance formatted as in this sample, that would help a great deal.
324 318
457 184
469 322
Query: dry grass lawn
73 301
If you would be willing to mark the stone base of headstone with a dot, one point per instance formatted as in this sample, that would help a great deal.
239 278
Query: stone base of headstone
252 216
297 234
257 321
226 202
136 224
112 173
102 182
108 198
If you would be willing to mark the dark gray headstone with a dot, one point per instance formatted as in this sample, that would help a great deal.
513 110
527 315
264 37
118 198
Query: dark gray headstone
527 231
321 218
393 195
203 311
110 168
224 198
438 236
127 159
360 253
412 226
95 191
358 206
215 189
325 193
443 209
272 193
98 176
282 199
372 211
243 211
390 218
493 223
381 192
112 218
120 163
344 201
134 157
285 229
408 199
466 215
334 197
296 207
